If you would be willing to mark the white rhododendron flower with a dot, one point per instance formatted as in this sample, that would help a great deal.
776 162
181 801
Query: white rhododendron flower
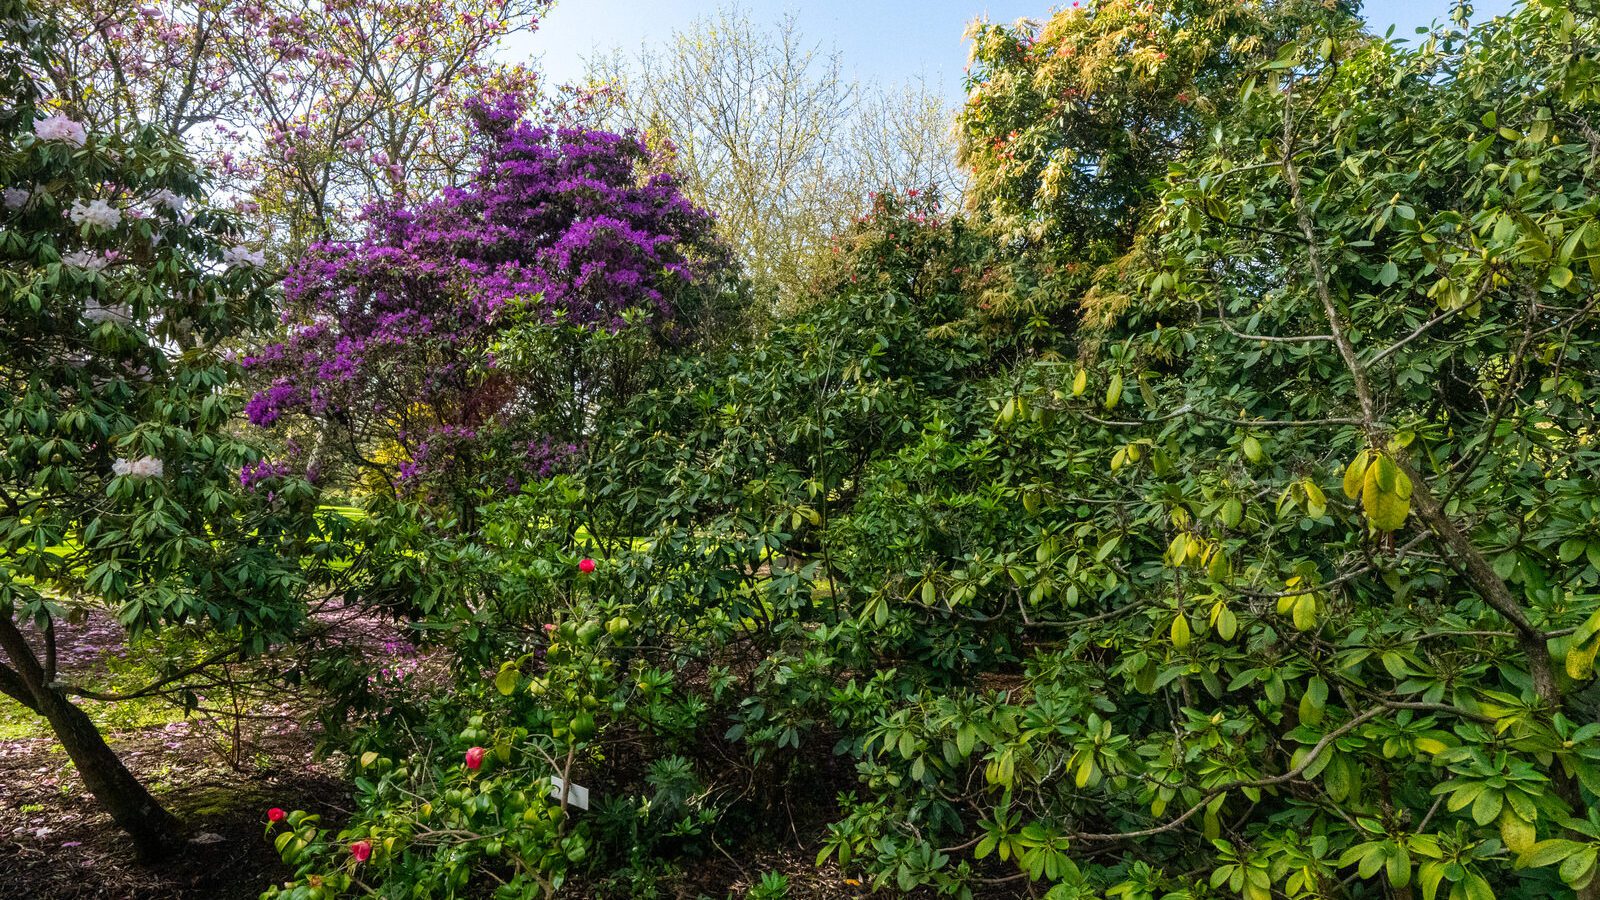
244 256
168 199
143 467
94 212
89 261
16 198
60 128
94 311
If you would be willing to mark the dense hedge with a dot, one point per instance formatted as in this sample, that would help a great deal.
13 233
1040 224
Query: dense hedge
1260 561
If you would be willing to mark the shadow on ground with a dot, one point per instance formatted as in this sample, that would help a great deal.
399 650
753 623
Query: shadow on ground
56 843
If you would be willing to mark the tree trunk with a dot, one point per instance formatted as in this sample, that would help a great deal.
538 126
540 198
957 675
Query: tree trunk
155 832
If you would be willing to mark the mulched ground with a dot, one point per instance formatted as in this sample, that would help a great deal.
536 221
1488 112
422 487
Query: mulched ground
56 843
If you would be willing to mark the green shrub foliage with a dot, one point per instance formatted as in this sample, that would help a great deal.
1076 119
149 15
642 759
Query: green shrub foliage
1276 577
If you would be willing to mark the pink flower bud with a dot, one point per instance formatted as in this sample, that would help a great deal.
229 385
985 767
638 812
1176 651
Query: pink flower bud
361 850
549 628
275 815
586 565
475 758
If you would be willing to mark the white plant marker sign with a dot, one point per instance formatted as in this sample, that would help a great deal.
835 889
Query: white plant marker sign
577 794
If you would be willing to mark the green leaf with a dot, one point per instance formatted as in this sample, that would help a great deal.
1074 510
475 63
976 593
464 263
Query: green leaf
1429 877
1486 808
1355 475
1580 661
1577 870
1398 867
1305 612
1114 391
1232 512
1477 888
1180 631
1548 853
505 681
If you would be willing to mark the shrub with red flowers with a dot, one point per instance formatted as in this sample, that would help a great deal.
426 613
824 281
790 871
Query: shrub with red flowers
459 340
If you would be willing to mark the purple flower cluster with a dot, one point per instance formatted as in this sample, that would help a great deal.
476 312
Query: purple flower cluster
397 665
253 474
542 458
558 226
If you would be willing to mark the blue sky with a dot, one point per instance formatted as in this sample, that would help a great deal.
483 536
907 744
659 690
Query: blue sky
882 40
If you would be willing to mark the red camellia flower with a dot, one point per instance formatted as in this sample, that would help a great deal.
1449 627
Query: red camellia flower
586 565
361 850
275 814
475 758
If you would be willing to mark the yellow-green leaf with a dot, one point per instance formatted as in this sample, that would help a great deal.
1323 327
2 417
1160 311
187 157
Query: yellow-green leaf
1180 631
1517 834
1114 391
1305 612
1355 475
1386 511
1580 661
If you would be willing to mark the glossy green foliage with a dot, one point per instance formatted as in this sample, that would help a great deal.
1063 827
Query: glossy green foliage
120 294
1277 579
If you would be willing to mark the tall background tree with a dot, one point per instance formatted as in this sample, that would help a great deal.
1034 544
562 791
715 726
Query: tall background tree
769 133
303 110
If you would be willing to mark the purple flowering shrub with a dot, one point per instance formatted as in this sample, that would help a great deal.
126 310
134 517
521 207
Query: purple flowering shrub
411 344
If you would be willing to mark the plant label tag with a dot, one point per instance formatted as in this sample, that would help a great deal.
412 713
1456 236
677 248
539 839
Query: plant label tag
577 794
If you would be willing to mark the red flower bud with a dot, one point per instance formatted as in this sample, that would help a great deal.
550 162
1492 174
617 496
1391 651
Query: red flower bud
586 565
275 815
475 758
361 850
